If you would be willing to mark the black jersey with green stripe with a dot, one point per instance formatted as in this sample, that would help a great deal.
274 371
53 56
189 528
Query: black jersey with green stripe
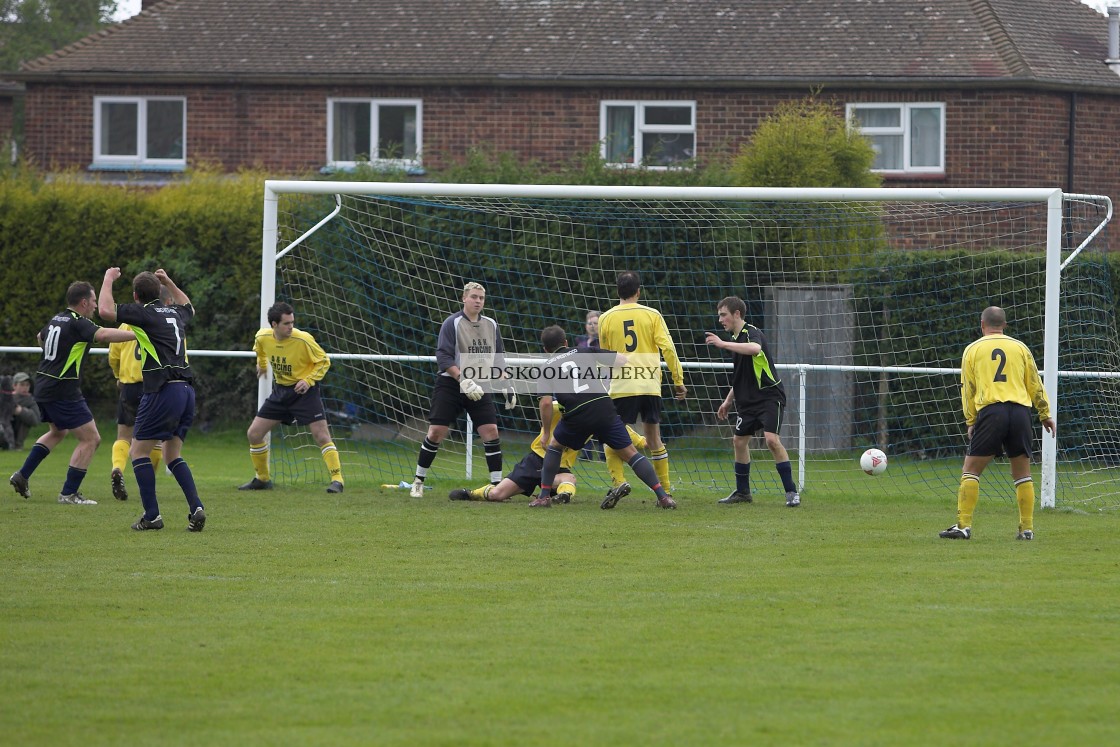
575 378
754 377
161 337
65 341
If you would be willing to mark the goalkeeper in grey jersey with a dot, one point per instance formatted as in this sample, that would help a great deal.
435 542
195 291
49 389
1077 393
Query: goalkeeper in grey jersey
470 345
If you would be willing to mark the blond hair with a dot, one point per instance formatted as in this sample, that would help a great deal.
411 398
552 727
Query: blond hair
471 286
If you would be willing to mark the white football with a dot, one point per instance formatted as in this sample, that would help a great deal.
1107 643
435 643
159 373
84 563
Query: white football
873 462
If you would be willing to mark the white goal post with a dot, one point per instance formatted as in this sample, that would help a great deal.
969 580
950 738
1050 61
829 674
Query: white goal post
855 268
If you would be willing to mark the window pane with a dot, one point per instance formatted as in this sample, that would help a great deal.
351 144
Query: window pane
620 134
888 152
118 129
165 129
925 137
396 132
663 149
877 117
351 136
668 115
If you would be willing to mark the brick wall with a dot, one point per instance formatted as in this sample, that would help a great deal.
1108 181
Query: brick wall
1012 138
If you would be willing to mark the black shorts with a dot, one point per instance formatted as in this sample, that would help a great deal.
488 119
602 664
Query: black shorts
1002 427
598 419
527 473
765 415
288 407
648 406
448 403
129 402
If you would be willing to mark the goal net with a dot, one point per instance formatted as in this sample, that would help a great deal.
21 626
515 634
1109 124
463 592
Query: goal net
868 298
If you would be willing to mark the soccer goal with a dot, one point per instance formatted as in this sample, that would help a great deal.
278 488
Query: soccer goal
868 297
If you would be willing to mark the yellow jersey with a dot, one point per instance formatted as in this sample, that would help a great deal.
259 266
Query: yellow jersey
639 333
124 359
998 368
298 357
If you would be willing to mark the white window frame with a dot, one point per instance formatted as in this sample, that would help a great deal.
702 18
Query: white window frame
641 128
904 130
140 158
375 104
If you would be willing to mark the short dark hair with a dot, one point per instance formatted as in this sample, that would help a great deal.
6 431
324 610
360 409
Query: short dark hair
628 283
994 317
277 311
146 286
77 292
553 338
733 304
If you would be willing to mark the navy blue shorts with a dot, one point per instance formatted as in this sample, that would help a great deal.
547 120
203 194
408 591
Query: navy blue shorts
288 407
646 406
597 419
129 402
65 415
166 413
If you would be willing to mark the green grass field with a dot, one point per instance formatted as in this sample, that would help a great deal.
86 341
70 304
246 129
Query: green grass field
371 618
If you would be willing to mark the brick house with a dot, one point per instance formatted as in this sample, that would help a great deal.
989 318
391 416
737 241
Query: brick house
953 92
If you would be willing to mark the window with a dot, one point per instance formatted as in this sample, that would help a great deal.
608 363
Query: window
384 131
908 138
140 131
657 134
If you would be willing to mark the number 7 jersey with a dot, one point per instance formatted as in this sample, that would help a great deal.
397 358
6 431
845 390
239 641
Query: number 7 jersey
162 339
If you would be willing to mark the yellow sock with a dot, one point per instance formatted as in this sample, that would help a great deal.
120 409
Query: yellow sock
636 438
660 459
334 464
479 494
566 489
157 456
614 466
1024 496
968 494
120 454
259 454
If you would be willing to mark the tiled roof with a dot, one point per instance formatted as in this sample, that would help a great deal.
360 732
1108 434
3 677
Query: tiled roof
725 42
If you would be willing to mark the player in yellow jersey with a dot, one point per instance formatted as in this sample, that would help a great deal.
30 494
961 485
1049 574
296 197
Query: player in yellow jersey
298 365
639 333
526 475
999 384
124 359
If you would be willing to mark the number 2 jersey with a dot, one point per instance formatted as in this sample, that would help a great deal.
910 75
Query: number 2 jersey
65 341
998 368
161 334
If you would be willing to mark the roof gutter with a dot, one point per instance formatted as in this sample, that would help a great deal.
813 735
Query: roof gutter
561 81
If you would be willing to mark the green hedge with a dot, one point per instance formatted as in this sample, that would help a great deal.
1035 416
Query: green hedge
205 232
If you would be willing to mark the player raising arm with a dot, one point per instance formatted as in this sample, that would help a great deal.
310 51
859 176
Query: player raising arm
166 410
65 341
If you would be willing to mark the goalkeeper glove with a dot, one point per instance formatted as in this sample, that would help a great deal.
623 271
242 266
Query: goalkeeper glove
471 389
511 399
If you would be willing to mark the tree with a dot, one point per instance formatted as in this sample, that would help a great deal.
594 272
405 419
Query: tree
32 28
805 144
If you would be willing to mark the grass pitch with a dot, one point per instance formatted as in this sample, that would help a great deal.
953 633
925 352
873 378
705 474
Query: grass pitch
369 617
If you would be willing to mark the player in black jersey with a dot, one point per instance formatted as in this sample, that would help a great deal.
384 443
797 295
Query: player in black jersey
578 383
65 342
167 408
758 398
